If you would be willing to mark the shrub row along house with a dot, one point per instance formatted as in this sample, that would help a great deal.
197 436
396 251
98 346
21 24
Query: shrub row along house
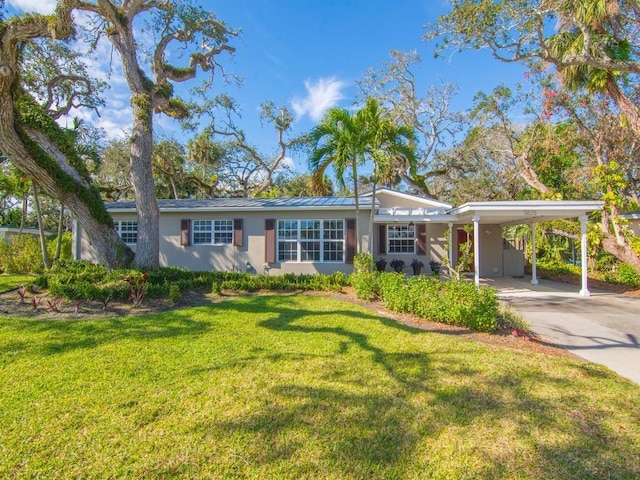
319 234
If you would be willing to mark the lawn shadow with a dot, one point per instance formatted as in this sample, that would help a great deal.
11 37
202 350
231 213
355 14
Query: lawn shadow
430 394
64 335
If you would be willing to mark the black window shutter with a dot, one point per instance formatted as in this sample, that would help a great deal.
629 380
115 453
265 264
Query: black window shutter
382 239
421 238
238 232
270 240
185 232
351 240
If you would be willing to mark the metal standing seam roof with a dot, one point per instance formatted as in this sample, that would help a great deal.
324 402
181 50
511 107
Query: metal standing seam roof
247 203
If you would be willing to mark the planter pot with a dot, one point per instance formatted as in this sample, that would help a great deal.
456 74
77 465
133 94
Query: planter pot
417 270
381 265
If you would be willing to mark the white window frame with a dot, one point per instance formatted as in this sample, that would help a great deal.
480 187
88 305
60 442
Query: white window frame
401 234
126 228
220 231
317 234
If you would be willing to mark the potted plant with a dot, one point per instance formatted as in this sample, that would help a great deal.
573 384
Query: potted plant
417 266
435 266
381 264
397 265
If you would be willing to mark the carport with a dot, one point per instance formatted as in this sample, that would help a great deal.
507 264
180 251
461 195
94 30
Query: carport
523 212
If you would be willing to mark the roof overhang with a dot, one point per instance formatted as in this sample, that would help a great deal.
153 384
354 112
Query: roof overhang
630 215
521 212
426 201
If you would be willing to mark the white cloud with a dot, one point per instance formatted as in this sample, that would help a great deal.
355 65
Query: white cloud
321 96
38 6
287 162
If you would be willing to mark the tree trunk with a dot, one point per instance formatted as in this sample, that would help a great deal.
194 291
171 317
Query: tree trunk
622 252
626 106
108 245
141 169
23 212
530 176
56 257
148 244
35 155
355 193
372 216
43 241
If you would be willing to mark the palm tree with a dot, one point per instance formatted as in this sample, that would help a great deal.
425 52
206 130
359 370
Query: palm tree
592 28
348 141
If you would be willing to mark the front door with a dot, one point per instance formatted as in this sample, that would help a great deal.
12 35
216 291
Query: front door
465 244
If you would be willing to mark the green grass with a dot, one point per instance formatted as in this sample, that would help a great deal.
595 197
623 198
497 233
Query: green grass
8 282
276 387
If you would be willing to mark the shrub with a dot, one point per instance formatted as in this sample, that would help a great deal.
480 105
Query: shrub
175 295
365 285
363 262
627 275
21 254
454 303
509 318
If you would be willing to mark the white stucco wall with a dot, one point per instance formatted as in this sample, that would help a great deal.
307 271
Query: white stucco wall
490 237
229 257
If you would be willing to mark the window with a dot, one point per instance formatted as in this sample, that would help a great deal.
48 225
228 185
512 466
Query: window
333 240
212 232
128 232
311 240
287 240
401 239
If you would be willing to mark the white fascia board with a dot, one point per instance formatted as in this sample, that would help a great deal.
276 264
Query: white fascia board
547 206
412 218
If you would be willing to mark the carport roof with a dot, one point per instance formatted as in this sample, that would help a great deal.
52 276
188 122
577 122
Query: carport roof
521 211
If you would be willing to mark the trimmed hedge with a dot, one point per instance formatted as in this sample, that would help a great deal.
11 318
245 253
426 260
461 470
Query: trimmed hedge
79 280
453 303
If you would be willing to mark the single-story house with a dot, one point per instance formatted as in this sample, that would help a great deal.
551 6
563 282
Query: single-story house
6 233
321 234
634 221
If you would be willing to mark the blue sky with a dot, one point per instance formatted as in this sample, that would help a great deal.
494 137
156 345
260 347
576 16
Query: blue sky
307 55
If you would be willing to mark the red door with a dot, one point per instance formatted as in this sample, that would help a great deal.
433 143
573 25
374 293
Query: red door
465 241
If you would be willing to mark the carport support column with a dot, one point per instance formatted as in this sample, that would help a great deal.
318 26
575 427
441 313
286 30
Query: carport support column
584 291
534 265
476 250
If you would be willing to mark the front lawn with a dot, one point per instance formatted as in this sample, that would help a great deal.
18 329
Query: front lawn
290 386
8 282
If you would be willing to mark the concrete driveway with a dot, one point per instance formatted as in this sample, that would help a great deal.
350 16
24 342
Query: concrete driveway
603 328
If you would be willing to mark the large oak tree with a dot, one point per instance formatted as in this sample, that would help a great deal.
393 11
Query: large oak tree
31 139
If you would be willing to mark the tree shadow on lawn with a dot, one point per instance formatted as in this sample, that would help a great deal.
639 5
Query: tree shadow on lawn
496 421
60 336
